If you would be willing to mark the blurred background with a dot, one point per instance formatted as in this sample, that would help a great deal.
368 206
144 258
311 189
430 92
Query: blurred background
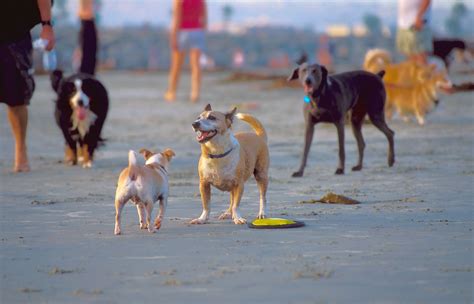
133 34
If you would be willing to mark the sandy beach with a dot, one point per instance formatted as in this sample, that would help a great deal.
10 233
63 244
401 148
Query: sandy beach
409 241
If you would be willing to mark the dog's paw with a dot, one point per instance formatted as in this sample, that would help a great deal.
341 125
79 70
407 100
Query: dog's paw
261 216
143 226
339 171
157 224
117 231
151 229
70 162
240 220
198 221
357 168
87 164
225 215
297 174
391 161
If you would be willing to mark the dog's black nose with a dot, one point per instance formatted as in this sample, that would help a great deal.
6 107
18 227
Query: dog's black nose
80 103
307 81
196 124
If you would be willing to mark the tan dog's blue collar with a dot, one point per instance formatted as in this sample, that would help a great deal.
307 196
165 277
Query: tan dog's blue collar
220 155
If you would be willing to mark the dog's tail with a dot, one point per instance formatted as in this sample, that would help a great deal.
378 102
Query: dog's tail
255 123
376 60
135 160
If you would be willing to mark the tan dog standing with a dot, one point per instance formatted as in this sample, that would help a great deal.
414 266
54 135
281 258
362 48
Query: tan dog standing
144 183
227 161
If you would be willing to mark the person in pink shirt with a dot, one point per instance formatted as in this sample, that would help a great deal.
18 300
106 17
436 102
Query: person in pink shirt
187 34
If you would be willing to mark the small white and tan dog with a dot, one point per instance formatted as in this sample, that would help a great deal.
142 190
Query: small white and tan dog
227 161
144 182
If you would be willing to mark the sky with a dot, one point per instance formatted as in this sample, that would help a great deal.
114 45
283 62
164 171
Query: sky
313 14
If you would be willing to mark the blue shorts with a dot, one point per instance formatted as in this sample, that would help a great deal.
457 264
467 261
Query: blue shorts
191 39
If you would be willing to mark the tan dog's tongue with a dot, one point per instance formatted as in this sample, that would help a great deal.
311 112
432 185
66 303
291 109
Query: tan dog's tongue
81 113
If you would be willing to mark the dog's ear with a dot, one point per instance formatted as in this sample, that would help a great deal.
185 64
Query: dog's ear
56 77
146 153
229 116
168 153
324 74
294 74
208 107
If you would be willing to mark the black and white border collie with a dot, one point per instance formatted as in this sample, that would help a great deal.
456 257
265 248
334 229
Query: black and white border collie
81 108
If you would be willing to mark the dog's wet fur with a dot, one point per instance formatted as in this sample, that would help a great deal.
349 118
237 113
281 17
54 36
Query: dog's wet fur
331 97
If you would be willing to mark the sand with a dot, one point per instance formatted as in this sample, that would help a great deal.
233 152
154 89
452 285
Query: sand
409 241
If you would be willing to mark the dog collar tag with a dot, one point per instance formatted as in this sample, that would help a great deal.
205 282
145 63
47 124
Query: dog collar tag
306 99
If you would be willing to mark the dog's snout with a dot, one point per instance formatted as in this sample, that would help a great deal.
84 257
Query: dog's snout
307 81
80 103
196 124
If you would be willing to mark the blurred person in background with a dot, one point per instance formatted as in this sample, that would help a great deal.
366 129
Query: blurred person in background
16 66
188 26
414 37
87 37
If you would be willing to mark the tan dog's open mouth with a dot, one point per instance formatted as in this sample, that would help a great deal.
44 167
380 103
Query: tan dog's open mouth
203 136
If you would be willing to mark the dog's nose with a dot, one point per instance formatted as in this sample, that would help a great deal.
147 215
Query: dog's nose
307 81
80 103
196 124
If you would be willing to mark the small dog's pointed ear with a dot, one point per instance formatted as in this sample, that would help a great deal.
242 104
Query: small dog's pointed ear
208 107
146 153
230 115
168 153
294 75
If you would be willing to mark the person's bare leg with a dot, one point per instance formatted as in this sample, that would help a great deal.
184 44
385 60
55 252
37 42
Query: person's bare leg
18 117
194 57
177 58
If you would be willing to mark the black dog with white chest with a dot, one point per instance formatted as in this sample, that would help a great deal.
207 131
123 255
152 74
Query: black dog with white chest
81 108
329 98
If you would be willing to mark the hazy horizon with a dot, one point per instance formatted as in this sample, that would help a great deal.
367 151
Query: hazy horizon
315 15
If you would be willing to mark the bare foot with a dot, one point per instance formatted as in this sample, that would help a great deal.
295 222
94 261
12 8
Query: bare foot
169 96
21 162
24 167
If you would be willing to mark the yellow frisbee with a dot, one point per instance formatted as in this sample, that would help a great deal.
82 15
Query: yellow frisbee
274 223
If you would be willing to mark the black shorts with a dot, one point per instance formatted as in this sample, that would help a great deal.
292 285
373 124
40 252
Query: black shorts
16 72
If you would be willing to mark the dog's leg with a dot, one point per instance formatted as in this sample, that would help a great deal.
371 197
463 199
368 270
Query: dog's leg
379 123
262 183
149 210
119 203
227 214
161 212
342 152
205 190
357 121
87 162
308 139
141 215
236 197
70 157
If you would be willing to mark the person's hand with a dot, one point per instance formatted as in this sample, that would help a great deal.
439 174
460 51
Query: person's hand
47 33
418 23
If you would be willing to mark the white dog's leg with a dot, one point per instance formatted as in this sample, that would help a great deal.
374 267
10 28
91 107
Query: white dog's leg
149 209
161 212
141 216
